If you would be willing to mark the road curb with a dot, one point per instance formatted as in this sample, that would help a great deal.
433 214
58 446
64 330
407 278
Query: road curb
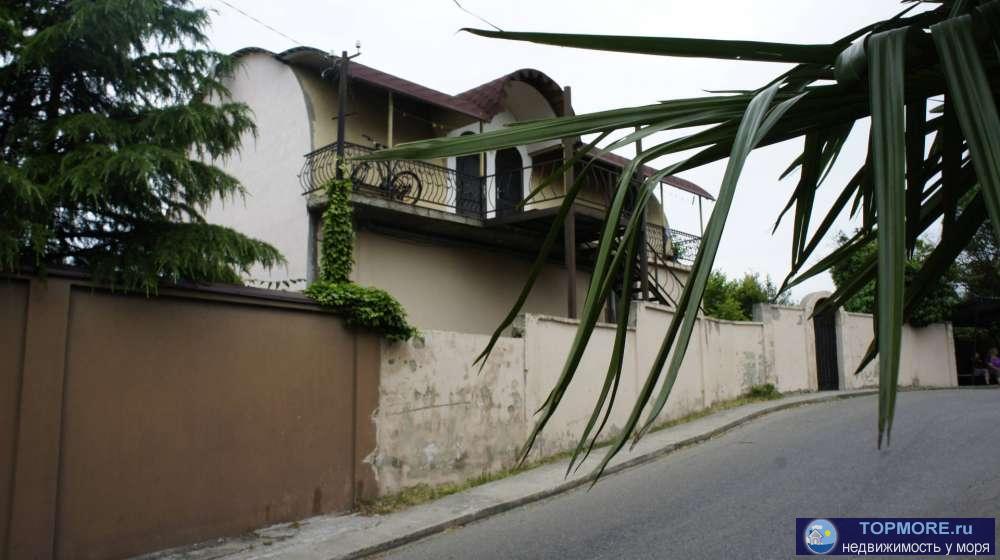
576 483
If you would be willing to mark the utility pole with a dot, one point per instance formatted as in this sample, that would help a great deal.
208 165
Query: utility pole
343 76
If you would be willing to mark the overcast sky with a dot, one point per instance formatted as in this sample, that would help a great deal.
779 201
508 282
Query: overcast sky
419 41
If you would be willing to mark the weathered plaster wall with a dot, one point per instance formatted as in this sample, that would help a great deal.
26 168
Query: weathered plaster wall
273 209
787 334
854 334
734 361
439 418
927 357
441 421
688 393
547 340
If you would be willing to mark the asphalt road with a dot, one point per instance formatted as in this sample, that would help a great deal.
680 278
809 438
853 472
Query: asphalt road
737 496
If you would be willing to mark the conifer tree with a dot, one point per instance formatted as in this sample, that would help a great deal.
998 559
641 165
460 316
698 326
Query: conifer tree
110 112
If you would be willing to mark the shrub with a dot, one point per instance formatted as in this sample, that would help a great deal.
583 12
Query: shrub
766 391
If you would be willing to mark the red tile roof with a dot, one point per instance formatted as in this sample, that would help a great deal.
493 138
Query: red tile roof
490 96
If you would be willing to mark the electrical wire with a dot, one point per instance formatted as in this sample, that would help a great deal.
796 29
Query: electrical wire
259 22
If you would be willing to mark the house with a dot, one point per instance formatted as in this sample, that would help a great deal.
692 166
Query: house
449 237
814 536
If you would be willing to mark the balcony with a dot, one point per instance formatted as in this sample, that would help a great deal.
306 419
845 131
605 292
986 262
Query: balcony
429 185
491 199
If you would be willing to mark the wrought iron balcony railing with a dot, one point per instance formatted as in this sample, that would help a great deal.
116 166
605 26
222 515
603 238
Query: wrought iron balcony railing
671 244
437 187
408 182
429 185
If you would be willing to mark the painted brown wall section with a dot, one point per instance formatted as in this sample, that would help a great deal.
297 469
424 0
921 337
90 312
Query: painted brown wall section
13 302
156 422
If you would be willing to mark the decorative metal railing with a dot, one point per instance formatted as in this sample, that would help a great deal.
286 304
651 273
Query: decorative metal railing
685 246
429 185
671 244
408 182
434 186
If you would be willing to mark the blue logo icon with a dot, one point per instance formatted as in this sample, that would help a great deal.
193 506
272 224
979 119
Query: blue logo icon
820 536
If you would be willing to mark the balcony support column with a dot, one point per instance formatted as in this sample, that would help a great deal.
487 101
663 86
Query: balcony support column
569 227
389 125
643 240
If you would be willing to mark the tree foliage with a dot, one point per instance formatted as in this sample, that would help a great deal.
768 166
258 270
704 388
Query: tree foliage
110 111
935 307
924 79
979 266
733 300
978 281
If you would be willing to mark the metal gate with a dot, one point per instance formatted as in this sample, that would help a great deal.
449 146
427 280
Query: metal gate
826 351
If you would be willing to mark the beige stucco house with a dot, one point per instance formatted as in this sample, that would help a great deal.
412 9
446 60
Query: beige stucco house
447 237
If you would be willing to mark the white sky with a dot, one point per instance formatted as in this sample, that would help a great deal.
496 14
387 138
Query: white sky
419 41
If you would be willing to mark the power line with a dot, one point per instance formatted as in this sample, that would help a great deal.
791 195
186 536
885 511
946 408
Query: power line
480 18
259 22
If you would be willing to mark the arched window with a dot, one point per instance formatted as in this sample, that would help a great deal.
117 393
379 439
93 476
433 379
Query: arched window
510 180
469 184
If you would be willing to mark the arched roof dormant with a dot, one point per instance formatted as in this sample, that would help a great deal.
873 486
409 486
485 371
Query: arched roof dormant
482 102
489 97
318 60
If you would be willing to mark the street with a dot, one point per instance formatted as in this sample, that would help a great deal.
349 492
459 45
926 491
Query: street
737 496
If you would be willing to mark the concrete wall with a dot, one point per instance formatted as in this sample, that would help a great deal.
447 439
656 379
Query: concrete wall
131 424
928 354
453 287
440 421
789 346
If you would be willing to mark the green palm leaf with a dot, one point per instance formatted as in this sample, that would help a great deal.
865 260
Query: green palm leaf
886 60
672 46
974 106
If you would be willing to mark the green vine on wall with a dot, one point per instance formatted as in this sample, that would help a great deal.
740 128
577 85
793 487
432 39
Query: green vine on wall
337 246
361 306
